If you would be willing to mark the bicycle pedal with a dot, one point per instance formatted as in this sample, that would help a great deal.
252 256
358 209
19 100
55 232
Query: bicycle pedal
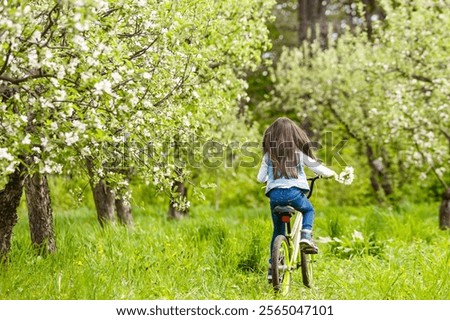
310 251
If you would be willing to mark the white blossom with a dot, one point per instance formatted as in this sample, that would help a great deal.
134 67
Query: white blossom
36 37
61 72
103 86
44 141
195 94
79 125
71 68
71 138
26 140
4 154
60 95
92 62
116 77
33 59
57 168
440 172
54 126
11 167
134 101
81 43
80 27
46 169
357 235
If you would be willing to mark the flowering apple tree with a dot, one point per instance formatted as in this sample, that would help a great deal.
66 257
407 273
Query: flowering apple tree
78 78
389 93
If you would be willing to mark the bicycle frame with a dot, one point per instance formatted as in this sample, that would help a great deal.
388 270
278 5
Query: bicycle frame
293 237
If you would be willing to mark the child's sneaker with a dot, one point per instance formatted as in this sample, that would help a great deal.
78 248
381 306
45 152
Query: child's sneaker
269 274
307 244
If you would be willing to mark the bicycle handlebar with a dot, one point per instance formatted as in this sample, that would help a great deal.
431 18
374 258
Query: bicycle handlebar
311 187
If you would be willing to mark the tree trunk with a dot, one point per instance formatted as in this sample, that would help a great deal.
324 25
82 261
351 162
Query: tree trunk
303 21
444 211
103 196
371 8
104 202
175 212
368 11
311 25
9 202
123 208
40 213
379 177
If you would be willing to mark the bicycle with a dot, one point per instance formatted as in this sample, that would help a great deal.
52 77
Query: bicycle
286 249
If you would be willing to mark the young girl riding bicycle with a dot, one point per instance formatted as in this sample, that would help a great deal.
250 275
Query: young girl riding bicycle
287 150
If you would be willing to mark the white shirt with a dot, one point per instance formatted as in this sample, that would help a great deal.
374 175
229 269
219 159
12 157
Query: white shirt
265 173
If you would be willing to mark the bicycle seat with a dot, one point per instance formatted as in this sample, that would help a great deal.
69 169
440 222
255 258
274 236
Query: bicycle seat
284 209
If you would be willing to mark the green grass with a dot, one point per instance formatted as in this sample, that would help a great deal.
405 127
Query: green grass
395 254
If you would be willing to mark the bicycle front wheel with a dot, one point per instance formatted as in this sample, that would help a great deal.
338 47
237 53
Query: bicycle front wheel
281 271
307 274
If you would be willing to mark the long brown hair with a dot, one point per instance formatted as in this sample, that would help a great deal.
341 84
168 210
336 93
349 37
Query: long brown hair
281 141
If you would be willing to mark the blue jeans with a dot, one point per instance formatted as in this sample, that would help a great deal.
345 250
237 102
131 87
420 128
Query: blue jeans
295 198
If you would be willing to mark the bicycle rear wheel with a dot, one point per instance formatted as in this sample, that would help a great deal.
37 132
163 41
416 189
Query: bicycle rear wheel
281 271
307 274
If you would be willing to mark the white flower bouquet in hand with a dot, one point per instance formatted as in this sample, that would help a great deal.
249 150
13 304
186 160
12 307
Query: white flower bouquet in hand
346 176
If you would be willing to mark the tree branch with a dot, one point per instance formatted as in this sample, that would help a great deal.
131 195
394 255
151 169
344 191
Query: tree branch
50 21
110 12
179 85
25 79
139 53
342 121
431 166
5 64
446 134
414 76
